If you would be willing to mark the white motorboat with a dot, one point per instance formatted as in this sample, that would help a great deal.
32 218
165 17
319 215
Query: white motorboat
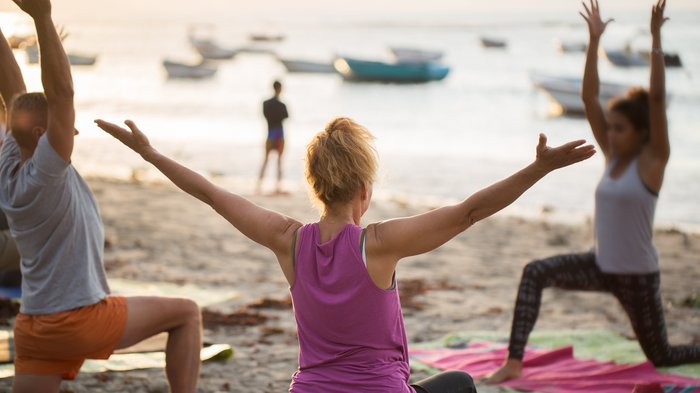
566 92
305 66
177 70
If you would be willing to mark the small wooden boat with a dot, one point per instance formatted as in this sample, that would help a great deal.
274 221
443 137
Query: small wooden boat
32 53
414 55
491 42
629 58
378 71
263 37
177 70
304 66
256 50
570 47
210 50
625 58
565 92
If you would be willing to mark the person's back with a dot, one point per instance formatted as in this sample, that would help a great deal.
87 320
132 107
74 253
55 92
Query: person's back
57 227
275 112
351 332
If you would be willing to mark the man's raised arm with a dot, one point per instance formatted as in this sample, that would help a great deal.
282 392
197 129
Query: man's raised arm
55 76
11 81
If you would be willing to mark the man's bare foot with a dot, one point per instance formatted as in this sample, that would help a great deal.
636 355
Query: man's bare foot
511 369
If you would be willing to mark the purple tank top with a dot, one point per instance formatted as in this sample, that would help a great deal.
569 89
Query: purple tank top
351 332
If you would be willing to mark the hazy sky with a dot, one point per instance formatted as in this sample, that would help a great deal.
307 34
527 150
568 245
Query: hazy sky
399 6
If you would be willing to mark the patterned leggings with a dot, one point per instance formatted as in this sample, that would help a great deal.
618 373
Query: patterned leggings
639 295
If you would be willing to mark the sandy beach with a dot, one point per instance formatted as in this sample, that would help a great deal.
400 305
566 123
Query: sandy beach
156 233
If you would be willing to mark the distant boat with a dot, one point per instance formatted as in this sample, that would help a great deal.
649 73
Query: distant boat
257 50
629 58
177 70
570 47
377 71
210 50
625 58
490 42
566 92
304 66
16 41
414 55
32 53
263 37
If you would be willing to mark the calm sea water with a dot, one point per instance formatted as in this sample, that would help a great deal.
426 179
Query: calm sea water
439 141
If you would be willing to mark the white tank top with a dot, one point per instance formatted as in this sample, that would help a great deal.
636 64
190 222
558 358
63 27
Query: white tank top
624 223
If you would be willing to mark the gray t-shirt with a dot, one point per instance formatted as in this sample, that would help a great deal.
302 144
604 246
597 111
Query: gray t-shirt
54 219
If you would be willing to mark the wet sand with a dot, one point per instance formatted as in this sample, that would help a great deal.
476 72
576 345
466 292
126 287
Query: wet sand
154 232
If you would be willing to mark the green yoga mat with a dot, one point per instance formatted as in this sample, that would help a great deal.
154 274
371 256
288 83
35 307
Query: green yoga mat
588 344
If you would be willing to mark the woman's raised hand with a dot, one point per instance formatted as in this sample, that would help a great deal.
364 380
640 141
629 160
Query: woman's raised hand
132 138
596 26
657 17
551 158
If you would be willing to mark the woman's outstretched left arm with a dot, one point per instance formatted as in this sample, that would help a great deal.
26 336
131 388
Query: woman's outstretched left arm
395 239
658 149
266 227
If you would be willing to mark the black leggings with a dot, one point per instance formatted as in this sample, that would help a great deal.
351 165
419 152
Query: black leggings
446 382
639 295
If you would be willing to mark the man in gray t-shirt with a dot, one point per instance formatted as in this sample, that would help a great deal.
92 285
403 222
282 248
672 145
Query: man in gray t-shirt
43 198
67 314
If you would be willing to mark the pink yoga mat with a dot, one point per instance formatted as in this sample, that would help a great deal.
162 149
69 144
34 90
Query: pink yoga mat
552 370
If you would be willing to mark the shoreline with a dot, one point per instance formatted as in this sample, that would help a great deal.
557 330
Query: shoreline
543 213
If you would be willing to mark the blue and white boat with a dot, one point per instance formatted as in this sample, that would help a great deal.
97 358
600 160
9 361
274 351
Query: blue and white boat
353 69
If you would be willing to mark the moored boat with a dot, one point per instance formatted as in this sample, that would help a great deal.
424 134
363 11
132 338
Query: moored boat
565 92
379 71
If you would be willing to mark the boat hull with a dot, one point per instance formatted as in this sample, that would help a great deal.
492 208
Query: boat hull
376 71
186 71
565 93
32 53
310 67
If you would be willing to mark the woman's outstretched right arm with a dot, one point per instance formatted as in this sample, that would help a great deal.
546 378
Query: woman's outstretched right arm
591 82
268 228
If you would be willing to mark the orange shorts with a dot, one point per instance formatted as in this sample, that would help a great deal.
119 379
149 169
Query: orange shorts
59 343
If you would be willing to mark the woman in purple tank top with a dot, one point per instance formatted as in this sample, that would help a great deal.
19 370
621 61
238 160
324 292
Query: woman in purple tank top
633 136
341 275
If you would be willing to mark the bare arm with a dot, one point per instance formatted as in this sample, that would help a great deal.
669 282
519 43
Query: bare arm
392 240
268 228
591 82
11 81
55 77
658 124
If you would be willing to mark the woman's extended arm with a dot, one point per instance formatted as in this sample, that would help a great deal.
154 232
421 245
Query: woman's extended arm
591 82
658 132
653 160
268 228
392 240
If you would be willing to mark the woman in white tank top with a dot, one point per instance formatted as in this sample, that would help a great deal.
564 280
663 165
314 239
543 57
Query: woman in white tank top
633 135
